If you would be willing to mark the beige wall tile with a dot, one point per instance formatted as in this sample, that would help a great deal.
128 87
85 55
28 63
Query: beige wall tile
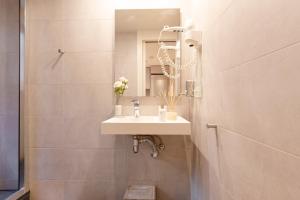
239 104
112 141
213 154
89 67
47 132
173 191
281 176
86 133
87 101
199 175
46 68
88 35
172 167
215 191
227 196
83 190
173 141
92 9
249 79
45 100
242 162
47 190
249 29
45 36
139 166
259 101
48 164
170 170
86 165
81 132
45 9
254 171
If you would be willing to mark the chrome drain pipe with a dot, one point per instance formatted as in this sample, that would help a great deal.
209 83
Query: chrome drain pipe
139 139
135 144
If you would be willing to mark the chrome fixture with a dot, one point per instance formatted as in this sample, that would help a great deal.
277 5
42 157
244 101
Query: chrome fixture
189 88
212 126
136 108
156 147
60 51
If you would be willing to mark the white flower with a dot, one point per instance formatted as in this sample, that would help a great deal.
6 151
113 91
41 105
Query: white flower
123 79
118 84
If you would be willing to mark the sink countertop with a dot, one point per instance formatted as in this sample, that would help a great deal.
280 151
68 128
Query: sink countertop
145 125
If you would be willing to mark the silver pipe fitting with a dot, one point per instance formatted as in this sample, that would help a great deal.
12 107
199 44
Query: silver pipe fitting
135 144
139 139
150 141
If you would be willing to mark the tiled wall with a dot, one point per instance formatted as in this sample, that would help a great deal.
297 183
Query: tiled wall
9 94
69 95
250 89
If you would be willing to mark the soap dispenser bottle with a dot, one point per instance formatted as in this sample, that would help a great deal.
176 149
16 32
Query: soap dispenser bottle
162 113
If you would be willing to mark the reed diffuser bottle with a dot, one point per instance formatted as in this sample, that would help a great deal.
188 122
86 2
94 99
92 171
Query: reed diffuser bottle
171 102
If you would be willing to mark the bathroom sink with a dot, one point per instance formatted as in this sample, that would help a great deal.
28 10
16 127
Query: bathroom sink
145 125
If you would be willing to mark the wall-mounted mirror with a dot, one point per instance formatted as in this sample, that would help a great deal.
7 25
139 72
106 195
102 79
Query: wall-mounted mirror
136 47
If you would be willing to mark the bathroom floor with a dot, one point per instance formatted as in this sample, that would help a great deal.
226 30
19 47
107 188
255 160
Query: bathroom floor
5 194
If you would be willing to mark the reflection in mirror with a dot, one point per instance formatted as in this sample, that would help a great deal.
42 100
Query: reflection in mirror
136 49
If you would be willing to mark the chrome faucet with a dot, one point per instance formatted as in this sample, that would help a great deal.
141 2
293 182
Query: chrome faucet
136 108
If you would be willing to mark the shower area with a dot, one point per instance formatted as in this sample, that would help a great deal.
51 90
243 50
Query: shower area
11 63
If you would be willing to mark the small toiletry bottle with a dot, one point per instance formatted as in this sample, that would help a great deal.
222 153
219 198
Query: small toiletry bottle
162 113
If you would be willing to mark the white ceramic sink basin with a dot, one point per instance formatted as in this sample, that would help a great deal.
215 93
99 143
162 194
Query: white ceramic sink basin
145 125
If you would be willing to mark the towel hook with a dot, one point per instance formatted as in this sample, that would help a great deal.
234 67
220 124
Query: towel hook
212 126
60 51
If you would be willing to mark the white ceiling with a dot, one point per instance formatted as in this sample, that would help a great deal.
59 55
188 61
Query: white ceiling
146 19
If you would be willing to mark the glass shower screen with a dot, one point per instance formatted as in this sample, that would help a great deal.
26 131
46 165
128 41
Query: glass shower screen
9 94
